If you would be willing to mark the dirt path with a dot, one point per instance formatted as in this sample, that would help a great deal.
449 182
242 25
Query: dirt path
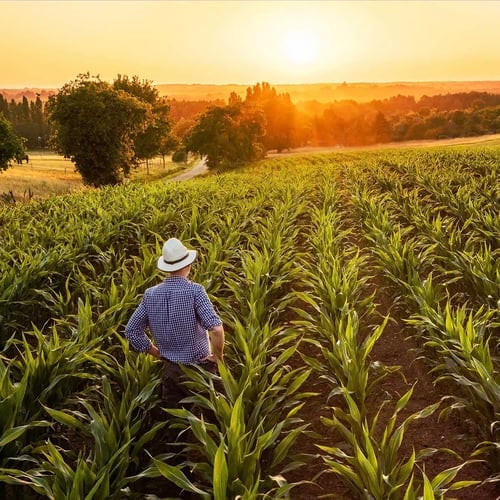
199 169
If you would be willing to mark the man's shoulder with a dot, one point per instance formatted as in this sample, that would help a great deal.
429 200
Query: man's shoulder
168 286
149 291
197 286
152 290
185 283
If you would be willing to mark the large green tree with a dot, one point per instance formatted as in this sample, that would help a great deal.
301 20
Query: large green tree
149 141
227 135
11 146
95 125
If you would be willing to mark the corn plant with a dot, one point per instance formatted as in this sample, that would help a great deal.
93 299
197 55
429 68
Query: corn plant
117 443
54 368
460 339
373 466
248 443
15 423
346 359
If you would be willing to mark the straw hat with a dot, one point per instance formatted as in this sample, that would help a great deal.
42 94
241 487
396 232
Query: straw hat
175 256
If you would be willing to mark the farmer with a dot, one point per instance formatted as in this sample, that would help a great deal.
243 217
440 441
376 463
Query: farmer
182 321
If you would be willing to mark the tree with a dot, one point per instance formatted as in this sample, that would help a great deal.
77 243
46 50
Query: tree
168 144
382 131
11 146
227 135
280 115
95 125
151 140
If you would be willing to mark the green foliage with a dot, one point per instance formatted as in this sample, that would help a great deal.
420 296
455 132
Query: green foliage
180 156
288 252
149 141
227 135
11 146
95 125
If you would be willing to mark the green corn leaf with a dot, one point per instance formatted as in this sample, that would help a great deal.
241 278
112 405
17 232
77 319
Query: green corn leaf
410 493
458 485
281 450
175 474
220 474
345 472
12 434
444 477
428 489
65 418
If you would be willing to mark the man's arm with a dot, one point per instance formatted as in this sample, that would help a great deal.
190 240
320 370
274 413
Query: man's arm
216 336
207 316
135 332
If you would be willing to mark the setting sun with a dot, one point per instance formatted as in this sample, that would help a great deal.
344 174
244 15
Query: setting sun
277 41
300 47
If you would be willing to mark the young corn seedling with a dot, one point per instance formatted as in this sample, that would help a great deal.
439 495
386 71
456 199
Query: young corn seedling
15 422
372 466
459 338
245 446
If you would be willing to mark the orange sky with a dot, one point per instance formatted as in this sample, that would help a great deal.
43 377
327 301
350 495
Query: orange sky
45 44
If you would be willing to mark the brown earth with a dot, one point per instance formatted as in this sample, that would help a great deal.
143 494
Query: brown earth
394 348
397 348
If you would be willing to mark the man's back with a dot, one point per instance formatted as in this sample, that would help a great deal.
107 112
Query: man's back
178 313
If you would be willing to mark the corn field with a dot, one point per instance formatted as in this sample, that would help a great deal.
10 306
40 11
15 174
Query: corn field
295 253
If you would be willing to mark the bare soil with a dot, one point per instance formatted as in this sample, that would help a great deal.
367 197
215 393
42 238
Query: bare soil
394 348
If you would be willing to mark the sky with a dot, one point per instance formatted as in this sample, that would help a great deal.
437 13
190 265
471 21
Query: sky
45 44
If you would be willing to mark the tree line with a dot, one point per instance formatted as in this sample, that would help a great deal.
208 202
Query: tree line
403 118
28 120
107 129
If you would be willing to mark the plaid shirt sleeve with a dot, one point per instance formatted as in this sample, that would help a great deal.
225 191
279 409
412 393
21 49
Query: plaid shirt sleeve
205 311
135 331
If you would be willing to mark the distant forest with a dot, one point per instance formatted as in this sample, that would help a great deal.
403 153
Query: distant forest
313 123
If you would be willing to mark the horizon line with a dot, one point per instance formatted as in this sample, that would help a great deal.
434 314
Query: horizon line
344 82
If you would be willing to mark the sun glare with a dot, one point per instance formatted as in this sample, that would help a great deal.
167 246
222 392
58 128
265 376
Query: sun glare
300 47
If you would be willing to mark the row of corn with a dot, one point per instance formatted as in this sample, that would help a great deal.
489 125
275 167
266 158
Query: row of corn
436 241
80 415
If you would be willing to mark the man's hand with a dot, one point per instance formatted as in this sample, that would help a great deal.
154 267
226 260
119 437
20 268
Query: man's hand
211 357
154 351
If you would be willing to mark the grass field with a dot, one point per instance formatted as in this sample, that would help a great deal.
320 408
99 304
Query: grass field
48 174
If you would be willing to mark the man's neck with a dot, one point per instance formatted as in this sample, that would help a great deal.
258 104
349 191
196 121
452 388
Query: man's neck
182 273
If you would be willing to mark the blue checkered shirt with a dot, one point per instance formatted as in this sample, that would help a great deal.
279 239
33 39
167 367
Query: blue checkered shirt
178 314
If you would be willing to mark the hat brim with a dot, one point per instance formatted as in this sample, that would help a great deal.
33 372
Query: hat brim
189 259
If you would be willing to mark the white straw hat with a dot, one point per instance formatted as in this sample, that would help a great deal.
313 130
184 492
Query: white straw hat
175 256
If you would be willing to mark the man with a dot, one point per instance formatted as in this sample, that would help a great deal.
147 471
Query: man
182 320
